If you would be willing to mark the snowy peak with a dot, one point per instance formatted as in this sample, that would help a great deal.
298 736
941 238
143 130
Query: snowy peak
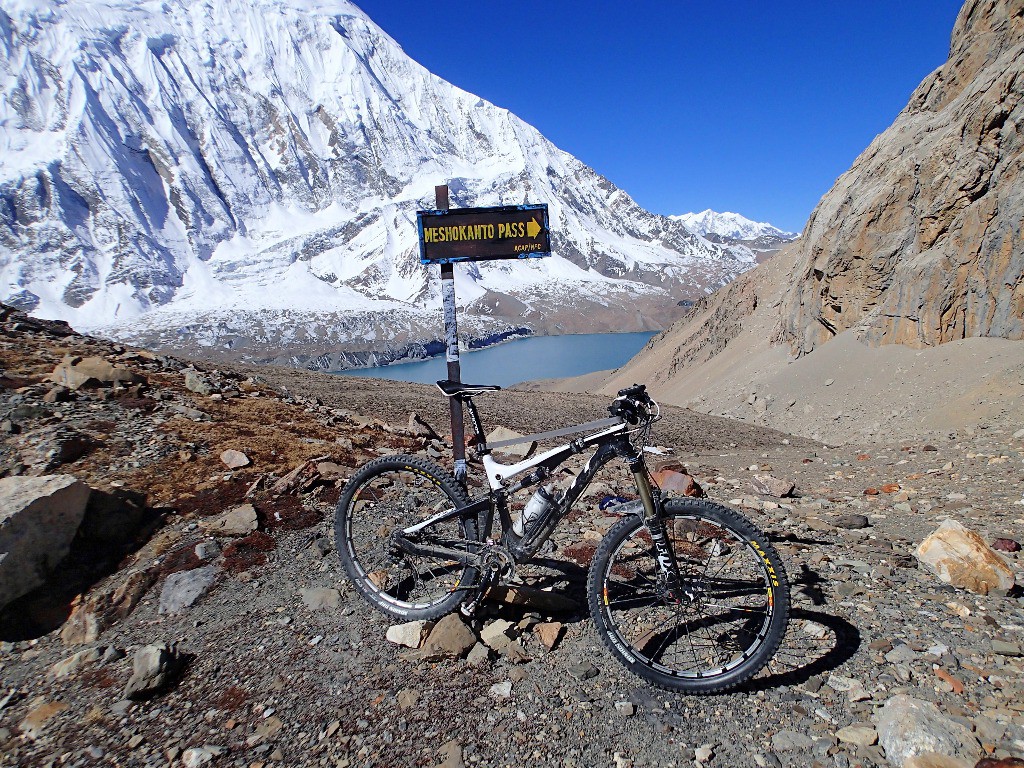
240 174
731 226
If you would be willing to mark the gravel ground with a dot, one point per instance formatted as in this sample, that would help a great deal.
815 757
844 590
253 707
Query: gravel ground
272 681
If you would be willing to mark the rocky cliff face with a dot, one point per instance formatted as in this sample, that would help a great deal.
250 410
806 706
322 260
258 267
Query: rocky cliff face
920 242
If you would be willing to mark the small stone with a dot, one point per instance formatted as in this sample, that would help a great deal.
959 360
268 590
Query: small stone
75 662
410 634
112 654
198 756
829 382
480 654
194 382
625 708
770 485
902 654
321 598
330 471
860 735
502 690
451 755
153 669
1006 545
407 698
704 753
549 633
233 459
584 670
1005 648
909 727
791 741
207 550
851 522
495 635
238 521
182 589
450 638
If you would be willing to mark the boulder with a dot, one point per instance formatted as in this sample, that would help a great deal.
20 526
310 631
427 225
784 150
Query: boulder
909 728
39 517
960 557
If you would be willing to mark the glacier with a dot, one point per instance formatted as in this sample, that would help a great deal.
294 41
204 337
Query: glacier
240 180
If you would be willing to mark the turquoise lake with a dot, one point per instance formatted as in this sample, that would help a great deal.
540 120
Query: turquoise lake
535 357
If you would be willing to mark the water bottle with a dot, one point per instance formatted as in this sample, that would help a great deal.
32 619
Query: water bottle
539 504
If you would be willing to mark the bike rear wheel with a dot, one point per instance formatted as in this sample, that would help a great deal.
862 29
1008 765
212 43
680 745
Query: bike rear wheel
723 631
392 493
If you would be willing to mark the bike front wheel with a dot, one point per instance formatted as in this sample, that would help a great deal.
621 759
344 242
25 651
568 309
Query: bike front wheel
393 493
715 633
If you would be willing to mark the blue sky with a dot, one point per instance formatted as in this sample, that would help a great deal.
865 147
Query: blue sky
752 107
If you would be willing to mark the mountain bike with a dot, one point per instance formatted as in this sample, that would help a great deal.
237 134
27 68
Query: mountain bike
686 593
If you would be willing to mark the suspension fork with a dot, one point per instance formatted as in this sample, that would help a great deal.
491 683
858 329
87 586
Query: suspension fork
654 521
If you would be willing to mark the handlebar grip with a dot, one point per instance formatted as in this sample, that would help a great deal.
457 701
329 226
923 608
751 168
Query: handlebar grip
625 410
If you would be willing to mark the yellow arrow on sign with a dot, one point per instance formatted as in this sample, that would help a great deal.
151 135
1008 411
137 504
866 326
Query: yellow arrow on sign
532 228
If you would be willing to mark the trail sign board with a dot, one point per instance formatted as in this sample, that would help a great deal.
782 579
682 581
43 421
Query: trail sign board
483 234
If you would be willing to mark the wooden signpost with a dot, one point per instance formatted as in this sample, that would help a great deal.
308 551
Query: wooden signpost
474 234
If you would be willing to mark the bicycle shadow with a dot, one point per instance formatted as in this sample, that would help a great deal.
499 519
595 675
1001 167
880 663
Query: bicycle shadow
815 643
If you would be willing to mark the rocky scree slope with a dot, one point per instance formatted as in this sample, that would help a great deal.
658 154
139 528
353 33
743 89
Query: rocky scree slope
240 180
222 632
919 245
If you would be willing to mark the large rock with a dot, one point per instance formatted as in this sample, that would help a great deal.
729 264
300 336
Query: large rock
960 557
920 241
908 727
39 517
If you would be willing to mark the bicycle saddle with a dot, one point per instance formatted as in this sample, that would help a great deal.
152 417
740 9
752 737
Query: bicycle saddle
453 388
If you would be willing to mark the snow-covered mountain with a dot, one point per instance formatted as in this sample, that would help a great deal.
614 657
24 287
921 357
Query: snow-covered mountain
242 176
730 225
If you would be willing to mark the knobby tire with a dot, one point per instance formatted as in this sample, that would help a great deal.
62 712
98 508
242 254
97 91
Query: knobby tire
718 637
395 492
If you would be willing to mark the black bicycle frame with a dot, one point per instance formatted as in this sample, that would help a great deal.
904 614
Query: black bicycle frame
482 508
